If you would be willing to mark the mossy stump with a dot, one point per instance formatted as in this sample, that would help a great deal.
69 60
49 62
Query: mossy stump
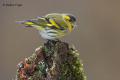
56 60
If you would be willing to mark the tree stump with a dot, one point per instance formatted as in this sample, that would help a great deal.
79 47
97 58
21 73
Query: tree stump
55 60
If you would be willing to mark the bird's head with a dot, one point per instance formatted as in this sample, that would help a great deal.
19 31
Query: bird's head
62 20
70 21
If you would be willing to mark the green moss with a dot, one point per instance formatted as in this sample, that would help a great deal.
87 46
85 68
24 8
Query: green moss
59 62
72 68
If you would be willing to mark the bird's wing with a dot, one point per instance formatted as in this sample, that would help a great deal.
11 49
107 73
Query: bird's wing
34 22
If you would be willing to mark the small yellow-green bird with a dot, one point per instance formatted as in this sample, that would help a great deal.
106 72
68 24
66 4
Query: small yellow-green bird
52 26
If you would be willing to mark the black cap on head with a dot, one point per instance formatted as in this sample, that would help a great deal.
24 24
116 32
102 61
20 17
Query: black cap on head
72 18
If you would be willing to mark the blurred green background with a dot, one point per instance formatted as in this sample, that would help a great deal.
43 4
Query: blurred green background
97 36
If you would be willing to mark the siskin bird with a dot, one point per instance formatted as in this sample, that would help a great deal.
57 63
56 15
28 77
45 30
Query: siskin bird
52 26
